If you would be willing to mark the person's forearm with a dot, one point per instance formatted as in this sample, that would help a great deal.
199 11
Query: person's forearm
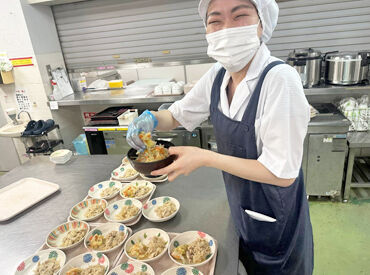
244 168
166 121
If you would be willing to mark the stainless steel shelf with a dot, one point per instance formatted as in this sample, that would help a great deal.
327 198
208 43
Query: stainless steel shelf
79 98
326 94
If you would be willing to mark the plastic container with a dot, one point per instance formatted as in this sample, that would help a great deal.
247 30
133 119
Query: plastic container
80 145
127 117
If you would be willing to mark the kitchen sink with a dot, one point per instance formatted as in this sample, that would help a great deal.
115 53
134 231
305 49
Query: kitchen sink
12 130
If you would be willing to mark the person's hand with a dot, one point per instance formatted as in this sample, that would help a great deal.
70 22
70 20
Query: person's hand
188 159
146 122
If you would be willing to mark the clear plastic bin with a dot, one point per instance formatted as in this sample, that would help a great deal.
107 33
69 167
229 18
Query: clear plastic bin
80 145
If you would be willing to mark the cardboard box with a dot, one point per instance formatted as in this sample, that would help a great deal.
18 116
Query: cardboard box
7 77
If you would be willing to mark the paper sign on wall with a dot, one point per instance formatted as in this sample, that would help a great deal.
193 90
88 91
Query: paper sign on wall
23 101
21 61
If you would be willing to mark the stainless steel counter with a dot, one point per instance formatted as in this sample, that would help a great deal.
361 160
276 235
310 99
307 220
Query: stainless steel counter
202 196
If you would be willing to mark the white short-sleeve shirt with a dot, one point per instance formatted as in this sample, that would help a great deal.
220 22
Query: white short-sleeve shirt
282 115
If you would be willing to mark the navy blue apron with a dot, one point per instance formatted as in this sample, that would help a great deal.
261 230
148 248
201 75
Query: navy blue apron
281 247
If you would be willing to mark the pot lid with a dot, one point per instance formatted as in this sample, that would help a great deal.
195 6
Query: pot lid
308 53
344 56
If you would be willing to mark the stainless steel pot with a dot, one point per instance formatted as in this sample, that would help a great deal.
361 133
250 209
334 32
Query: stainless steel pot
307 62
349 68
364 75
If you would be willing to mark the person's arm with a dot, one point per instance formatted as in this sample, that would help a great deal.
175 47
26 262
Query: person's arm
166 121
283 128
191 158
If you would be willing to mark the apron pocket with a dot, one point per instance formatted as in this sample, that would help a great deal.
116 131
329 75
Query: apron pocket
260 236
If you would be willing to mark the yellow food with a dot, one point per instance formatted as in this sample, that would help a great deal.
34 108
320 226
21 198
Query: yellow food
135 191
49 267
100 242
193 253
141 251
91 270
108 191
127 212
152 151
166 209
94 210
73 237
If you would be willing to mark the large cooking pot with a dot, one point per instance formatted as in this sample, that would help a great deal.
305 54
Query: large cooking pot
307 62
346 68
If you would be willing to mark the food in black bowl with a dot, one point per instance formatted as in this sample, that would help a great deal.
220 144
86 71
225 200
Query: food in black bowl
148 166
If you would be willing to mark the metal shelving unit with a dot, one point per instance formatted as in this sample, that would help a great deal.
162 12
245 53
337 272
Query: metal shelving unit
42 144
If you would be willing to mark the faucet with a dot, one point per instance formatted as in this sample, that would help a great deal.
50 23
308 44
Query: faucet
18 116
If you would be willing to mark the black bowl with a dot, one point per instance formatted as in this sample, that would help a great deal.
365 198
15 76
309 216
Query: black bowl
147 167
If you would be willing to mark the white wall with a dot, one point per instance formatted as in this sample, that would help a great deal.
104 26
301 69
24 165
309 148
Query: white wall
18 25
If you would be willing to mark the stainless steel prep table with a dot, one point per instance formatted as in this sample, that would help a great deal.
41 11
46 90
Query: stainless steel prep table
202 196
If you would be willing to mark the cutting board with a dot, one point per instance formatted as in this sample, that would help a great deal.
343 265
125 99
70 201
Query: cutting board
22 194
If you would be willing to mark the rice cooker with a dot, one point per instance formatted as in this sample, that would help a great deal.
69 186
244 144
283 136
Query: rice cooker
307 62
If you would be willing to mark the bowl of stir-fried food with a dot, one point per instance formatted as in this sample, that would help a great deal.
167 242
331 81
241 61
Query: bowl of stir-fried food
43 262
154 157
106 237
88 210
161 209
90 263
67 235
123 211
138 189
147 245
192 248
105 189
133 268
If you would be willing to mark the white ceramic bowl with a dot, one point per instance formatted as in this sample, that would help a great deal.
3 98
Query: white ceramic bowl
61 156
187 238
104 229
150 207
29 265
132 267
96 190
144 236
125 161
114 208
161 178
78 211
137 183
183 270
55 237
118 173
85 260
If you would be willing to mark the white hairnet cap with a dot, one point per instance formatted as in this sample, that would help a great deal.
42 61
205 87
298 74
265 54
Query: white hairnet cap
268 12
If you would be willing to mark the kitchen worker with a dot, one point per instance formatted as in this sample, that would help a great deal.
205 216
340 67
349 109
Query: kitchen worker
260 115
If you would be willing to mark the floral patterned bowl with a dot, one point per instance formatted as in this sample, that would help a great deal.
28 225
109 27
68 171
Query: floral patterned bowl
86 260
132 267
187 238
119 173
104 229
97 190
137 183
184 270
29 265
80 209
114 208
144 236
55 237
150 207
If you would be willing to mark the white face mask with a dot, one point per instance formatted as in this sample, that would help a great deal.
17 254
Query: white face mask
233 47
